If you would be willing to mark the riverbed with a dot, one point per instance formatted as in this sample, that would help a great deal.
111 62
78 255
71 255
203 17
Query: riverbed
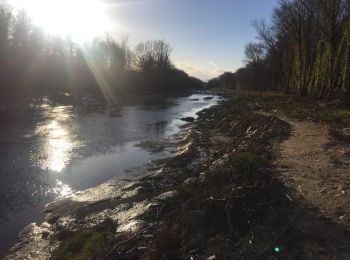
49 151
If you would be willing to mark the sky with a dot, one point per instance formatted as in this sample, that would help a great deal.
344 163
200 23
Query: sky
207 36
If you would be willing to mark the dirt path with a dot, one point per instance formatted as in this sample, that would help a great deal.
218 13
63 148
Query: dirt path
316 169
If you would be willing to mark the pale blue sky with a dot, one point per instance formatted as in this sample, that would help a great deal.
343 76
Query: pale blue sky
208 36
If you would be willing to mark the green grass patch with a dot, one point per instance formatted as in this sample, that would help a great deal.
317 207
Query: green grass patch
333 111
87 244
247 164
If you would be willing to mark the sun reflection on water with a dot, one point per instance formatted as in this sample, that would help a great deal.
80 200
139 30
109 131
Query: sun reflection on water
62 190
58 141
57 146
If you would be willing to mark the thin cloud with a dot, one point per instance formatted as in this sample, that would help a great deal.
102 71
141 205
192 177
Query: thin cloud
205 73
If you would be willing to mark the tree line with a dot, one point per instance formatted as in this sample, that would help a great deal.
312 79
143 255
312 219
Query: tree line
305 50
34 64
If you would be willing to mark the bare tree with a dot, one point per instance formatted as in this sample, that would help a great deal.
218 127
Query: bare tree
254 52
5 22
153 56
22 28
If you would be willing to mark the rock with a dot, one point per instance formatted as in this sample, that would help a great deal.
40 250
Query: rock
213 257
45 225
208 98
166 195
188 119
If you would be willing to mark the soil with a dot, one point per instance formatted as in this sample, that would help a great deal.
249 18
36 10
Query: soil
315 166
305 209
311 170
204 203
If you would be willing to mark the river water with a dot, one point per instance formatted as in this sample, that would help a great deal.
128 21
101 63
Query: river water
48 151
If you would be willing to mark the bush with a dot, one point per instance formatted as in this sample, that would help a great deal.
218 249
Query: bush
246 164
87 244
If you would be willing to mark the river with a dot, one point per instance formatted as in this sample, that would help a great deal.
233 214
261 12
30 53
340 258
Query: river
49 151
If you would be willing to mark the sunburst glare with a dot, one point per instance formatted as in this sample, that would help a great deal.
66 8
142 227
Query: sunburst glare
81 19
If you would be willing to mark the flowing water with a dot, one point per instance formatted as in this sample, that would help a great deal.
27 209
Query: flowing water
50 151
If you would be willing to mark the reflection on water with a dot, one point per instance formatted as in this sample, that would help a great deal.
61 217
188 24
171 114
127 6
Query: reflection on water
62 190
57 146
57 143
159 127
50 151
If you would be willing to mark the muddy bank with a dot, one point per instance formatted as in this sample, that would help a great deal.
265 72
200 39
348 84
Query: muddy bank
181 198
125 201
50 151
216 194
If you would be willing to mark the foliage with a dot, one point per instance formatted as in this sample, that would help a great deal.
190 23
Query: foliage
246 164
226 80
87 244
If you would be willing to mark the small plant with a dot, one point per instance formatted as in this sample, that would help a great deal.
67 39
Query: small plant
87 244
245 163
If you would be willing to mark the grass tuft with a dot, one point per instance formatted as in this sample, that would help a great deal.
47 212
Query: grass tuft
88 244
246 163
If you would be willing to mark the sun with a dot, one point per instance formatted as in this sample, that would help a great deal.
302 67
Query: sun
80 19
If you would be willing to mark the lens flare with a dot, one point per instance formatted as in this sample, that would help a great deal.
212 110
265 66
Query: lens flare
81 19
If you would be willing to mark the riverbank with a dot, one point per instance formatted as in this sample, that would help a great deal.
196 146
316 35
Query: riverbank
223 193
52 150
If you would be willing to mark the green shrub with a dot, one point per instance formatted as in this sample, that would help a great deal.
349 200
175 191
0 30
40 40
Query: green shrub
87 244
245 163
